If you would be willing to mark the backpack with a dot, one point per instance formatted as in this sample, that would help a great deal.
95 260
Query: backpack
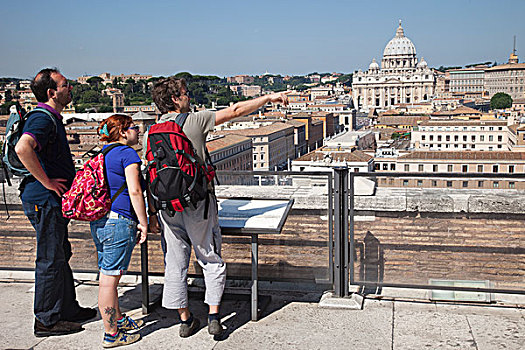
89 198
175 177
13 133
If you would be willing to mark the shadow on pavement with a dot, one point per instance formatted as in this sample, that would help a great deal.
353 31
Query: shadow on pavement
235 308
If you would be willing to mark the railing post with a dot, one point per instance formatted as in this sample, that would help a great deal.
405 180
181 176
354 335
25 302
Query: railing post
341 232
144 276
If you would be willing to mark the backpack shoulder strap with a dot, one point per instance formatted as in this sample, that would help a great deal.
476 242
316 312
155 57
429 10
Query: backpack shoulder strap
105 151
181 119
50 115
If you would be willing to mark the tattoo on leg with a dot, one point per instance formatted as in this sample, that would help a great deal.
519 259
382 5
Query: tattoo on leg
112 312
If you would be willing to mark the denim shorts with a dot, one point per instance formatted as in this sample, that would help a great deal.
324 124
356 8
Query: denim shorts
114 236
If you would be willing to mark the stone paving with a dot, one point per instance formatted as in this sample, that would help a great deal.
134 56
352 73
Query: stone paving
291 320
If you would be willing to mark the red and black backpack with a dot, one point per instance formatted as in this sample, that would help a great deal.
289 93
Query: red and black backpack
176 179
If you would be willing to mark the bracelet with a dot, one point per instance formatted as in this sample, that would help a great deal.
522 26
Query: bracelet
151 213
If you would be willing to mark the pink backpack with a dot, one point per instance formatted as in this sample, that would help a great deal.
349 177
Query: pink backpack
89 198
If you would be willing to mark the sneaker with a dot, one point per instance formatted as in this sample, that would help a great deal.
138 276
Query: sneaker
121 338
83 314
129 324
187 330
215 327
59 328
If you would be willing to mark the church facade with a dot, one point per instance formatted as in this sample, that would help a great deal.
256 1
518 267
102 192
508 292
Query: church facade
401 79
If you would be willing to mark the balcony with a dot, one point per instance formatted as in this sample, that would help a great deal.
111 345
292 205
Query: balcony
437 248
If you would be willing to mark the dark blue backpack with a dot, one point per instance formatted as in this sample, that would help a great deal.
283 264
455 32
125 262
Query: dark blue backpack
13 132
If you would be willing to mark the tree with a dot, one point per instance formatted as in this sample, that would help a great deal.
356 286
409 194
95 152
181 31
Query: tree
95 81
500 100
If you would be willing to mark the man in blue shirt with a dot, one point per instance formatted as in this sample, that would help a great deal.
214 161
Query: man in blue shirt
44 151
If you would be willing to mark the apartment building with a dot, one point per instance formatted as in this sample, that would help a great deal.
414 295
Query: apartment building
448 135
149 109
450 162
321 91
240 79
329 157
273 145
508 78
468 82
406 123
314 129
330 122
230 152
246 90
108 78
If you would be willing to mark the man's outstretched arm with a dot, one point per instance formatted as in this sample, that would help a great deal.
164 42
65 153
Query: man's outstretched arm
246 107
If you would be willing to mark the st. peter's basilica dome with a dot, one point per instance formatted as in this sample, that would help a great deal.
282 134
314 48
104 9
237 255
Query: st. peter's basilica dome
400 44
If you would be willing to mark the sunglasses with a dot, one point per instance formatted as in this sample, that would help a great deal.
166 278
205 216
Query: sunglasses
136 128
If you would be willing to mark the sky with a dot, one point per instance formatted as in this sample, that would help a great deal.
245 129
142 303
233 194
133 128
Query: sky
226 38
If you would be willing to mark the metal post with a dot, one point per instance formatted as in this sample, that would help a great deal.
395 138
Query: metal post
144 276
341 232
330 228
255 291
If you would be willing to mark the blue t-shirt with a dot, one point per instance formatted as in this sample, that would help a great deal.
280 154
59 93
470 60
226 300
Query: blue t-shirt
116 162
55 157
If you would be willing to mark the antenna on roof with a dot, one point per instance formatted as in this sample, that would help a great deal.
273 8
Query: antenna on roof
514 49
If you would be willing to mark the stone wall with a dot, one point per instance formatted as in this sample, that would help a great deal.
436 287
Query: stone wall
401 235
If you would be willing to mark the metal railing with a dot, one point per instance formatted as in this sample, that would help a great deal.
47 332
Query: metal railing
345 243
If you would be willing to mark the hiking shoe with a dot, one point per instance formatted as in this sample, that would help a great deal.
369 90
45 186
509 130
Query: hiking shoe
187 330
215 327
59 328
83 314
129 324
121 338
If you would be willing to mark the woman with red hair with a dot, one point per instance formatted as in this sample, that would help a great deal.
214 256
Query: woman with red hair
115 235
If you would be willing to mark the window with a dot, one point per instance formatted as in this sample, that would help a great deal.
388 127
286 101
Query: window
407 167
491 137
447 137
465 184
420 167
431 137
464 168
405 183
473 138
512 184
449 168
435 168
423 137
456 138
449 183
495 168
511 169
480 168
482 137
464 137
419 183
480 183
439 137
385 166
393 166
434 183
500 138
495 184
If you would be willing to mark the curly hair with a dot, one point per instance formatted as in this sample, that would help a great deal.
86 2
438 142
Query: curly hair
164 89
114 125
